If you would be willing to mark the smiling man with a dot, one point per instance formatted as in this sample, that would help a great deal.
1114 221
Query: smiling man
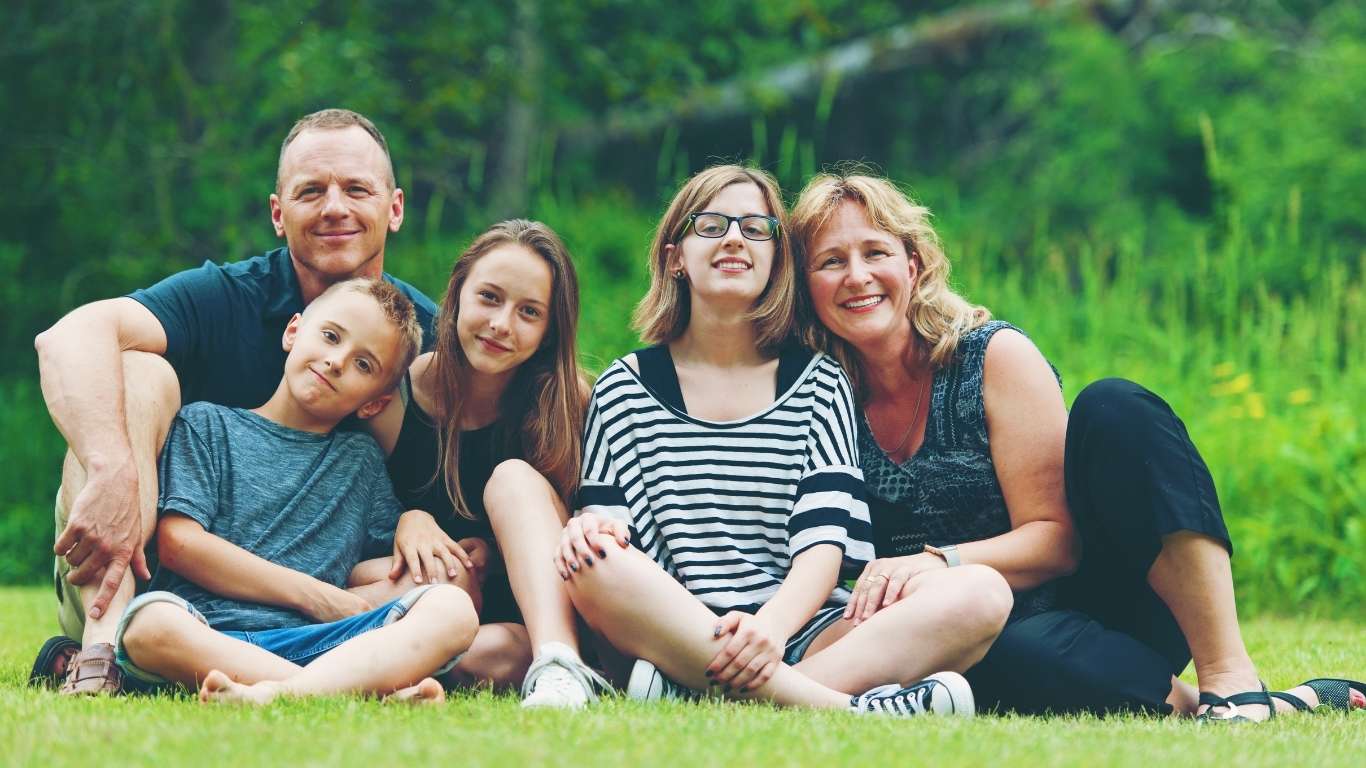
115 372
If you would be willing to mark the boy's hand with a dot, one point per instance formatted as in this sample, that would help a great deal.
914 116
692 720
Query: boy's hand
329 603
426 551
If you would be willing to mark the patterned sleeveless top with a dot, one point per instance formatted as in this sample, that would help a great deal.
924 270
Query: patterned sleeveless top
947 492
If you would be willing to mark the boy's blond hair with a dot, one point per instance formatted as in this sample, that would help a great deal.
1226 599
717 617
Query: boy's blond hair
397 309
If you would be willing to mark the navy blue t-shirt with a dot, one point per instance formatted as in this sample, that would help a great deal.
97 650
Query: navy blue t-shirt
224 323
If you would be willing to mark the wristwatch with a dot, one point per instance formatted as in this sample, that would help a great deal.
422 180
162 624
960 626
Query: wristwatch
949 552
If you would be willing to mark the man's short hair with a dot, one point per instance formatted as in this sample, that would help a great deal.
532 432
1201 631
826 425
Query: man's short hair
397 309
335 120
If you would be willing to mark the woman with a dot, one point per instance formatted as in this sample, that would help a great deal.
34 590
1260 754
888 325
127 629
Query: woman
483 446
970 457
720 479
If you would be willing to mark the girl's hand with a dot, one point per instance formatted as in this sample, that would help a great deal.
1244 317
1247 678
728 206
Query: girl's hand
751 656
576 552
883 580
426 551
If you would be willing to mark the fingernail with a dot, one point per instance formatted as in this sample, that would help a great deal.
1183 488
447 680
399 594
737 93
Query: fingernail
574 566
588 560
715 631
726 688
602 553
707 673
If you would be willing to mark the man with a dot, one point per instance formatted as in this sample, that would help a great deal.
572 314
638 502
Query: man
115 372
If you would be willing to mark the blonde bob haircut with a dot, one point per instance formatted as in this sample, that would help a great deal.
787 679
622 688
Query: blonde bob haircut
939 316
663 314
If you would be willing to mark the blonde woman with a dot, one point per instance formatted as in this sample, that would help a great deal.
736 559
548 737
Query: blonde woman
721 500
970 458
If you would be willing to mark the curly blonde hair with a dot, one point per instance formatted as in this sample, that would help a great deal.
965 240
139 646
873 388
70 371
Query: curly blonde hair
939 316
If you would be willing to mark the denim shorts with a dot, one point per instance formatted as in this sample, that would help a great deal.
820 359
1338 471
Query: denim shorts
300 645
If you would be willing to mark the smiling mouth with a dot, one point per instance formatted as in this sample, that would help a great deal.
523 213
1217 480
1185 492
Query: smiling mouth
347 233
323 379
731 265
493 345
863 302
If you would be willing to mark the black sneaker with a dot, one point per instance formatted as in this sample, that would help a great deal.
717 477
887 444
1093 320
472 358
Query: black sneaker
943 693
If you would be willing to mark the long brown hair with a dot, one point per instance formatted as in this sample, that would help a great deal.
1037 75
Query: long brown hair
939 316
663 314
548 390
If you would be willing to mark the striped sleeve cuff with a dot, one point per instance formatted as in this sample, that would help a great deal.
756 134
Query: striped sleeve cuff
830 509
603 500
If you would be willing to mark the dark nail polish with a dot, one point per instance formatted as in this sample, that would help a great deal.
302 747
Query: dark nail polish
573 566
726 688
602 553
707 673
587 560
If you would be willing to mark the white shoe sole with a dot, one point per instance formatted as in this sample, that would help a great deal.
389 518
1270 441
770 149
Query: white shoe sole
958 702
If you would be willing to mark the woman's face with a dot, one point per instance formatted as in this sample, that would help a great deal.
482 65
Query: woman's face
504 309
730 268
860 278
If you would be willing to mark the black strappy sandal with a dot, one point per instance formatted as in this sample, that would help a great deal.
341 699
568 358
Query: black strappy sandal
1230 705
1334 693
54 659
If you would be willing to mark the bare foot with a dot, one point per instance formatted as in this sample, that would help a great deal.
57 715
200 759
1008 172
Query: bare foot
1259 711
219 687
428 691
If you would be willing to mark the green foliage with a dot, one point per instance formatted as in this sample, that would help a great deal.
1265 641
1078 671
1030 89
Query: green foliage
1168 192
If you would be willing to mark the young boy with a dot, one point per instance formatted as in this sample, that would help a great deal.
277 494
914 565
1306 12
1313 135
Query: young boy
265 512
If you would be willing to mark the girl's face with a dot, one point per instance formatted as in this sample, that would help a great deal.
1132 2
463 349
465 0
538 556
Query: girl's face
504 309
861 278
730 268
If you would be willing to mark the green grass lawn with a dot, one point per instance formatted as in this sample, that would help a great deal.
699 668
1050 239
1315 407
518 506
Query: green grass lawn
40 729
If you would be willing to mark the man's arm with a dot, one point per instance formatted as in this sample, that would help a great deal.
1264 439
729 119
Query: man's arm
226 569
81 370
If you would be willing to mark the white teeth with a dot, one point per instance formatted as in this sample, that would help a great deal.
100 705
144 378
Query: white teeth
732 265
861 303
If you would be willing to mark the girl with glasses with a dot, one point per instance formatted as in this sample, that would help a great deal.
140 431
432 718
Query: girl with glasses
721 502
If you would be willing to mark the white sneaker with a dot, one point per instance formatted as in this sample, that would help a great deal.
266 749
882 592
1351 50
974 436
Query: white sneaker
943 693
647 683
559 678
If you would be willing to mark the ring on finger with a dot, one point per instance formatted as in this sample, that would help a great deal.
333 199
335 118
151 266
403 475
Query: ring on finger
882 576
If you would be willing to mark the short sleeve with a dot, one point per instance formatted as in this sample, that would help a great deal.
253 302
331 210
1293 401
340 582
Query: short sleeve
190 305
830 506
599 491
190 474
385 509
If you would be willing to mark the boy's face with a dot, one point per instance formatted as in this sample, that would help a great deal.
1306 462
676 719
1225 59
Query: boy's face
342 351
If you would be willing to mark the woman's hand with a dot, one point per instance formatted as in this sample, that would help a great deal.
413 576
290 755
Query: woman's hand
882 581
575 550
751 656
424 549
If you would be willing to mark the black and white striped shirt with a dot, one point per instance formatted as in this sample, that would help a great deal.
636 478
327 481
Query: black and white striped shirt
724 507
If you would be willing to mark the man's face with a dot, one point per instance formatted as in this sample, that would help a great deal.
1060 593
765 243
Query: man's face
334 205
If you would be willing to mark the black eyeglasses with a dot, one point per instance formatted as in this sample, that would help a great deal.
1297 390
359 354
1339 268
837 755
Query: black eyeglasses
752 227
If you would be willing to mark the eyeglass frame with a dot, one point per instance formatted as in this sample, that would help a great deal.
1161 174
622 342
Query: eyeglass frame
692 224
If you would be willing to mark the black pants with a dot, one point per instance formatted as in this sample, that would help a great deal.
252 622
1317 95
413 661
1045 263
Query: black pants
1132 476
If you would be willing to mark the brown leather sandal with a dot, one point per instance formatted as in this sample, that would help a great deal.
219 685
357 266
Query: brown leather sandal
54 659
93 672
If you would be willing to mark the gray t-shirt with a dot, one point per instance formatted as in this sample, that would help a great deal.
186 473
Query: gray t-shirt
318 504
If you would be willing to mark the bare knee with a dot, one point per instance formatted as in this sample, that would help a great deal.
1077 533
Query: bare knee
452 616
987 599
512 484
154 628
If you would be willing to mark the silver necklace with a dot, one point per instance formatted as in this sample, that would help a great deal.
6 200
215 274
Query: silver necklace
915 416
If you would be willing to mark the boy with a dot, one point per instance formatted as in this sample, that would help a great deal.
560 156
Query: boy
264 513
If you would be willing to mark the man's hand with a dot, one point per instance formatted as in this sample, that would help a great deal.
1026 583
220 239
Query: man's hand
103 532
328 603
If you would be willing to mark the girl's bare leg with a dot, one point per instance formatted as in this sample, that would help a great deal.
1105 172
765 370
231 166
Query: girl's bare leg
527 517
439 626
647 614
499 656
946 620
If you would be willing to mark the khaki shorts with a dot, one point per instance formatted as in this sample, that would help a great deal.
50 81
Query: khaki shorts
70 609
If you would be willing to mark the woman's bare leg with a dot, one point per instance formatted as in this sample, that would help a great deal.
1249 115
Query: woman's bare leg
946 620
647 614
499 656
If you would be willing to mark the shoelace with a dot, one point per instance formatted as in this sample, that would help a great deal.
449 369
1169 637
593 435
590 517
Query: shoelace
905 701
561 672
